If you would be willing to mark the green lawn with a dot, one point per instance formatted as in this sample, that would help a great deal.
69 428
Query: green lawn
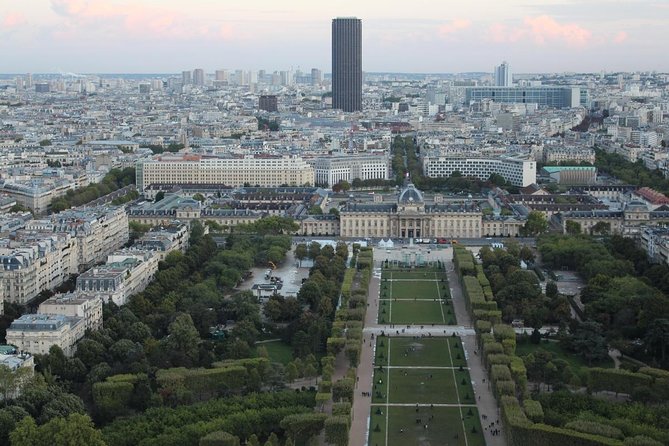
575 362
408 385
419 312
445 427
412 289
420 352
278 351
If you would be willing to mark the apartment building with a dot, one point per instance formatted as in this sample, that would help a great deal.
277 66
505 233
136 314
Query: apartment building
98 230
87 306
163 240
125 273
517 171
268 171
36 333
331 170
35 262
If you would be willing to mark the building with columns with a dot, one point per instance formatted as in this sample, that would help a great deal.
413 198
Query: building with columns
412 216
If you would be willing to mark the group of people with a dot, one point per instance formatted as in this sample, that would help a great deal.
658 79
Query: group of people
494 431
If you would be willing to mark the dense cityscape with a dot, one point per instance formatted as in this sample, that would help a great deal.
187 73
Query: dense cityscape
334 255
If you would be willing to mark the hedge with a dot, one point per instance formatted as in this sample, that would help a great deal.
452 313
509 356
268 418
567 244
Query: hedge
342 408
591 427
505 388
343 390
492 348
500 372
641 440
482 326
616 380
498 359
336 430
544 435
219 438
533 410
503 331
509 346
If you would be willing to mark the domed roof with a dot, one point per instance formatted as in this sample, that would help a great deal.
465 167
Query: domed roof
410 195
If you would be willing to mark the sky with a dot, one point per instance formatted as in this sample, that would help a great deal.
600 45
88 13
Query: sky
419 36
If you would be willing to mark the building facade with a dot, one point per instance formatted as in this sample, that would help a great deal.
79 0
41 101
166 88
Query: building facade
519 172
268 103
76 304
36 333
329 171
347 64
547 96
269 171
35 263
411 217
503 77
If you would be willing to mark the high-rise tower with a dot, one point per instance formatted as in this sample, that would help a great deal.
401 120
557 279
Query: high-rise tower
347 64
503 76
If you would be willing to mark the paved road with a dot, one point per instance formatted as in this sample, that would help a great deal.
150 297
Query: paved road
486 403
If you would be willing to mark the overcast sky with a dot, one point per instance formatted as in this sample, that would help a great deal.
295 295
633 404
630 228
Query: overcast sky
441 36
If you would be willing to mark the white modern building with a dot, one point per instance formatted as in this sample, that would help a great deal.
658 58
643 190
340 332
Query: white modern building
503 76
519 172
331 170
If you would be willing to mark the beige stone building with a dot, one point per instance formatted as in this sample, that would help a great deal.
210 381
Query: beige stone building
35 262
99 231
36 333
270 171
410 216
76 304
628 221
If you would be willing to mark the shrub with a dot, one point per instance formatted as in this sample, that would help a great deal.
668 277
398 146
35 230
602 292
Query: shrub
591 427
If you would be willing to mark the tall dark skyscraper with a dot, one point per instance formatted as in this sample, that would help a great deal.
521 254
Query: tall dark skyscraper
347 64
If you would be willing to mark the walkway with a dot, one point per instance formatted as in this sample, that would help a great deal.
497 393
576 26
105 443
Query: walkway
486 402
487 405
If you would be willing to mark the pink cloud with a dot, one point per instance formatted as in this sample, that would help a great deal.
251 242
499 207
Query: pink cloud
544 28
13 20
620 37
541 30
136 19
454 26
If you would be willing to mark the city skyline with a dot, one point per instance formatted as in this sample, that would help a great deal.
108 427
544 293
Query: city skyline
118 36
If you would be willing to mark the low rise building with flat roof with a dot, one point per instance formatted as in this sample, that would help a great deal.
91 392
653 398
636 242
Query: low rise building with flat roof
36 333
87 306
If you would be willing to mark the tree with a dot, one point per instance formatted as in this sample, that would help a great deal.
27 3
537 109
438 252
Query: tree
62 406
588 342
11 381
601 227
536 224
551 289
301 427
9 416
75 430
219 438
301 252
657 338
183 337
159 196
199 197
573 227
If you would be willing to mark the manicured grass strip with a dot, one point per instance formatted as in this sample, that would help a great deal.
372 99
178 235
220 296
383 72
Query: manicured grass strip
419 312
407 427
